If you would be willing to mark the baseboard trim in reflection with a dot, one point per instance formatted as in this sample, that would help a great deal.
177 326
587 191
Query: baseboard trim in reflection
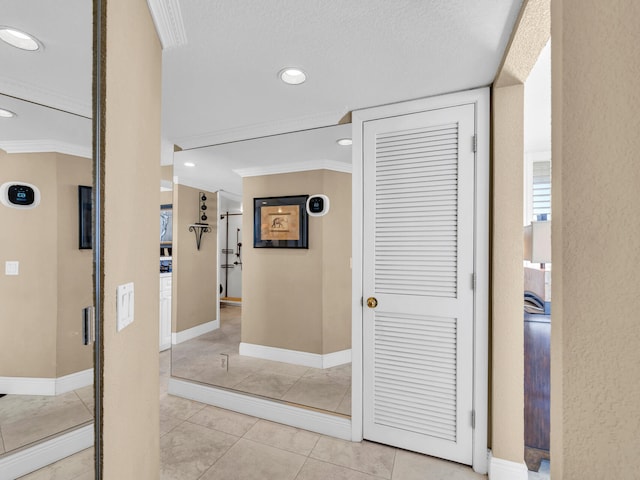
500 469
296 357
46 386
27 460
190 333
273 410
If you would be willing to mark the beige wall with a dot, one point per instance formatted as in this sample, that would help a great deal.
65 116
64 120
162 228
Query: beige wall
75 268
596 240
30 300
507 274
41 307
166 198
507 334
288 293
166 172
336 270
131 178
193 300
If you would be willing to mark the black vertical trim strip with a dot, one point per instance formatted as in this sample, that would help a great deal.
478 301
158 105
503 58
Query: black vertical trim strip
99 26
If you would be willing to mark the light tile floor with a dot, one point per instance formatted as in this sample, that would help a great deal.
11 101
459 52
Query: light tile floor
202 442
199 359
543 474
25 419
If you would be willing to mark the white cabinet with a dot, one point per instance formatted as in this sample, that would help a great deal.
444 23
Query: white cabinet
165 311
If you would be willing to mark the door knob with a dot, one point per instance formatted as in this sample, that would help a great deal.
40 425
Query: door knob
372 302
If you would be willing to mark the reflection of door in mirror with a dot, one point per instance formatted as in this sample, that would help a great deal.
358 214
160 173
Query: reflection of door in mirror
46 370
287 335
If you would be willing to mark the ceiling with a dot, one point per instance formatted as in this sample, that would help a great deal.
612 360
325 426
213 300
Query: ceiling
221 60
222 84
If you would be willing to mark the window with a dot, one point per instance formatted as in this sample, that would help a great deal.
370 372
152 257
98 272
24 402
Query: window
537 188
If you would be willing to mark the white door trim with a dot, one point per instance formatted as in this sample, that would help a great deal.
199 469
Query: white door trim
479 97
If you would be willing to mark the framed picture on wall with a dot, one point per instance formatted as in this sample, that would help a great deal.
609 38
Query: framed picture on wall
280 222
84 217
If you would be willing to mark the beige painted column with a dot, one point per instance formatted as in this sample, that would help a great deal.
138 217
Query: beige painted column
507 340
595 361
131 194
507 275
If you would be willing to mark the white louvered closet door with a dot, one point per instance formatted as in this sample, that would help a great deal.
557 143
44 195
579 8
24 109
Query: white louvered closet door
418 265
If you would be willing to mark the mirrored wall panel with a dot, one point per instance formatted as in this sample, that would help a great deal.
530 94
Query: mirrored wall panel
46 370
46 361
282 329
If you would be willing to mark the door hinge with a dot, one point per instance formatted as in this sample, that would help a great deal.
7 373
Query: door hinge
475 143
473 281
473 419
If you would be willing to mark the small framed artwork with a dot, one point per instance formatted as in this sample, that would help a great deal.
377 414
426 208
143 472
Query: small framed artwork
166 229
85 207
280 222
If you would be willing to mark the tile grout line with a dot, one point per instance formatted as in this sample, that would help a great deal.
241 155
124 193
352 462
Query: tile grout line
221 456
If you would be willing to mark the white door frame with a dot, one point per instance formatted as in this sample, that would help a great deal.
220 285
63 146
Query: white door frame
479 97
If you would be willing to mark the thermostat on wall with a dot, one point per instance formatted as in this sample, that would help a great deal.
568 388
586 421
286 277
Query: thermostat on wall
317 205
19 195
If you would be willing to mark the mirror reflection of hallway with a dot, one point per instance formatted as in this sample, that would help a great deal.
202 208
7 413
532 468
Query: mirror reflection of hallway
201 359
46 370
284 326
231 248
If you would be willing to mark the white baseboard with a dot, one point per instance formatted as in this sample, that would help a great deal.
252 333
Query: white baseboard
506 470
190 333
231 302
323 423
295 357
336 358
27 386
74 381
46 386
42 454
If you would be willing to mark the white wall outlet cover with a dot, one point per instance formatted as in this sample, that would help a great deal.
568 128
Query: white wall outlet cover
125 305
11 268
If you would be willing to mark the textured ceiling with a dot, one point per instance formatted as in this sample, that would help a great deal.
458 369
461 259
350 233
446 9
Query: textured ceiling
220 80
59 75
222 84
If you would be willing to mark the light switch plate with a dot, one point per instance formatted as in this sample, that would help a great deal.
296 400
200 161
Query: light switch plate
124 305
11 268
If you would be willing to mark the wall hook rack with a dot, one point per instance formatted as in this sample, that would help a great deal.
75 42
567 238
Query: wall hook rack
198 229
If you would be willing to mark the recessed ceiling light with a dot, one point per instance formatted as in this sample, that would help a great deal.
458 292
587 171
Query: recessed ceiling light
189 164
19 39
6 113
344 142
292 76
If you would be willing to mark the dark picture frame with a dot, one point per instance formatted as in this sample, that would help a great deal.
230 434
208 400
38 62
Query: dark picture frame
281 222
85 217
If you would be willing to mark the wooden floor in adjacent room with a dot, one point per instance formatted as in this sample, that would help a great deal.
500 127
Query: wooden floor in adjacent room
537 389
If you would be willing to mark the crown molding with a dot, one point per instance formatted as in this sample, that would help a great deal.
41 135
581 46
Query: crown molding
294 167
37 94
258 130
167 17
230 196
199 185
45 146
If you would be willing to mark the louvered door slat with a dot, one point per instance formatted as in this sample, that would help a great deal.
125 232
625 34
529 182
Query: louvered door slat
404 352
